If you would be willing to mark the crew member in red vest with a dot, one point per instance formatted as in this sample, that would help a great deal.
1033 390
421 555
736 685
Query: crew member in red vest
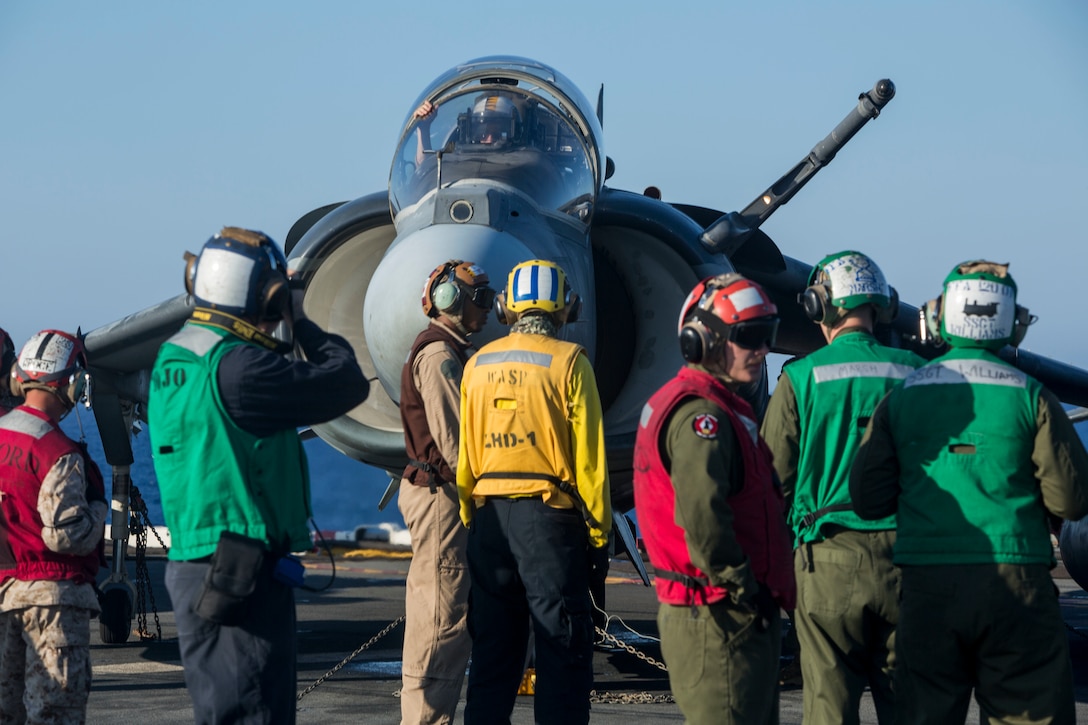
711 513
52 511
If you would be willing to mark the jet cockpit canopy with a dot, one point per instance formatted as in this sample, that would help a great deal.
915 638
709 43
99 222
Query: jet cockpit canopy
507 120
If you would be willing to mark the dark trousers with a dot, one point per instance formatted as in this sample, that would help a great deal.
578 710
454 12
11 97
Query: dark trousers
529 562
995 629
243 674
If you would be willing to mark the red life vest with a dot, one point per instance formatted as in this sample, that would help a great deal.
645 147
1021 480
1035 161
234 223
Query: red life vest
30 445
758 521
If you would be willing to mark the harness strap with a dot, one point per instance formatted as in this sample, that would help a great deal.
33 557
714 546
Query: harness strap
696 585
433 480
689 581
564 486
811 518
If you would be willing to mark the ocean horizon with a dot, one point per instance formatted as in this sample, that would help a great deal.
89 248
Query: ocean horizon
344 492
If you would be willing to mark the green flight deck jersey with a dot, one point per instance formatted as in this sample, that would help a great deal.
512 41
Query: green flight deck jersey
212 474
815 421
968 487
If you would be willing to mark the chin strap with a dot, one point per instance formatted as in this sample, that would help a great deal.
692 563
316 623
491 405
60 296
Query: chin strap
239 328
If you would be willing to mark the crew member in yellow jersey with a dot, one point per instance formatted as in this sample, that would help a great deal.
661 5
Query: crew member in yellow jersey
533 486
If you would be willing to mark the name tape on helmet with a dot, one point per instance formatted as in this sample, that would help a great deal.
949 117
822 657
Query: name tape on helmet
855 274
979 309
52 357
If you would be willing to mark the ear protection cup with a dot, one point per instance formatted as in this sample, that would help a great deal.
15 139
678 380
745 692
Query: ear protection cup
816 302
190 271
694 342
1024 319
76 386
502 314
446 295
929 322
275 298
572 307
884 315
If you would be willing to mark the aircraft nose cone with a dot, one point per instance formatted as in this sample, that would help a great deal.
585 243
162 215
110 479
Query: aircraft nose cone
393 311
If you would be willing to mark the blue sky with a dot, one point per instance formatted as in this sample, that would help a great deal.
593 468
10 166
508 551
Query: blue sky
131 131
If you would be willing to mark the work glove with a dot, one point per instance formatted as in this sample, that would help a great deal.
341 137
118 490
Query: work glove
765 608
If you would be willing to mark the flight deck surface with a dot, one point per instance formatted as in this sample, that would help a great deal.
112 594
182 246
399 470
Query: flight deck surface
142 680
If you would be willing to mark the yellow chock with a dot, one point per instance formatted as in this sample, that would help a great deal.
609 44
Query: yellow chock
528 682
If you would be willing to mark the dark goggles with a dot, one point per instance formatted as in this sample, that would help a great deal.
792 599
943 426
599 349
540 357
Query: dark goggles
755 334
483 297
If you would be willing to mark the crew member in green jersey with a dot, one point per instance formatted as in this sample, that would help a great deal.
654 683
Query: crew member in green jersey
847 586
971 453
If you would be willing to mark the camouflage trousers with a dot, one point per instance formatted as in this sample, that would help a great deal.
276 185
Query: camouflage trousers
45 664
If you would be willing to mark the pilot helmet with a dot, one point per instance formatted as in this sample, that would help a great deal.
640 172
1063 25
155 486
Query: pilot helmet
451 284
537 286
845 281
54 361
726 307
977 308
494 119
240 272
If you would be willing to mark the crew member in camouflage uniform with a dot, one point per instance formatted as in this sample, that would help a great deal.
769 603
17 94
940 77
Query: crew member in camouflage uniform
971 453
711 515
847 586
52 511
457 299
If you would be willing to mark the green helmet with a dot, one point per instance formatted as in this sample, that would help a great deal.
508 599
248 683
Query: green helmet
844 281
978 307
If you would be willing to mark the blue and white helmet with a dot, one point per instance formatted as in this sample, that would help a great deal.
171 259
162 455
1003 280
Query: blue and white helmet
239 272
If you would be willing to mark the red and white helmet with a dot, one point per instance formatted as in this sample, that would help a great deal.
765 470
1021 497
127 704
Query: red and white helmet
51 360
726 307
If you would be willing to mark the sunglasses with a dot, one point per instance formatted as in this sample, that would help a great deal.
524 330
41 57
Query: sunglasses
483 297
754 335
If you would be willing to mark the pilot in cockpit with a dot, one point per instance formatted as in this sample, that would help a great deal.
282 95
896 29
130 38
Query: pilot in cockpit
494 121
499 135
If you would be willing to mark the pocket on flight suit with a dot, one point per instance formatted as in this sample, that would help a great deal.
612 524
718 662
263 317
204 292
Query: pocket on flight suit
827 584
683 645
